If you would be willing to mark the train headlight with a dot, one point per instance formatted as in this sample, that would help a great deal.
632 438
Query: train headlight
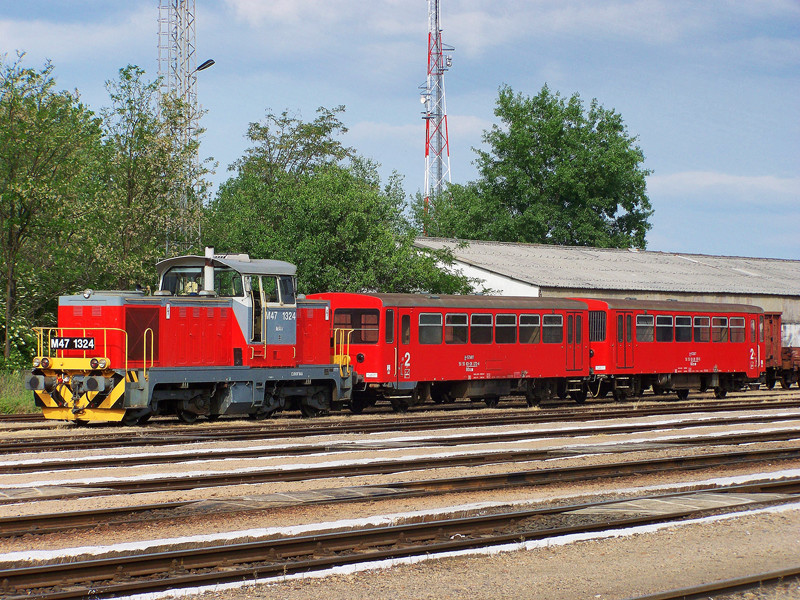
94 363
36 362
103 363
45 363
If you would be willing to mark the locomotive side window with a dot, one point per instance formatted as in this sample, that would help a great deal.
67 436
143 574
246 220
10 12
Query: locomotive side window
644 328
529 330
552 329
683 329
389 329
363 322
597 326
286 287
719 329
480 331
737 329
228 282
505 329
701 325
405 329
455 329
270 288
430 328
663 328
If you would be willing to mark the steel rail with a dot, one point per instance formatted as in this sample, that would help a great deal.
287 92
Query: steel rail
221 563
518 478
726 586
461 440
148 437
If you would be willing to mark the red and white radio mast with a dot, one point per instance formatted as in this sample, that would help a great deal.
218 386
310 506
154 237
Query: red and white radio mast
437 146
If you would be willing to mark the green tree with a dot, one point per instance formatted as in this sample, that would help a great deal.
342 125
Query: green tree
151 179
48 147
293 199
555 173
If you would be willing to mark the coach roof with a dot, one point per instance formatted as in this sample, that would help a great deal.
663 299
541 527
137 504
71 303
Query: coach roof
471 302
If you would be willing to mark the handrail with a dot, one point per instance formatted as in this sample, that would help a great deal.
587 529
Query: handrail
144 350
47 332
341 339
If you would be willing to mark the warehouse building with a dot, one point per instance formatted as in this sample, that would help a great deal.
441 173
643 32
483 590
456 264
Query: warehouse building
512 269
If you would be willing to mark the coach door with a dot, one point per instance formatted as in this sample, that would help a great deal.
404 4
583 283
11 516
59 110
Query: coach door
574 341
404 355
624 340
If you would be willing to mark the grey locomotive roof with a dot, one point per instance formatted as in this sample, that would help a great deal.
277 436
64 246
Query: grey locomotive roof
478 302
615 269
238 262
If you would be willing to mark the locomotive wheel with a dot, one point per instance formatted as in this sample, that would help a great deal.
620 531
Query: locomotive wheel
682 394
187 417
720 393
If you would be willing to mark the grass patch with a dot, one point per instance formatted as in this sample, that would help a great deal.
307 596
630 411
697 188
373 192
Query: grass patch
14 398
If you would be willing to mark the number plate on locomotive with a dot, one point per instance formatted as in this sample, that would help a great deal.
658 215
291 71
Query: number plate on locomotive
72 343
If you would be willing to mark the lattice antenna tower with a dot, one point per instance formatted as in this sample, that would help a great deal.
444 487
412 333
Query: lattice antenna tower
177 61
437 145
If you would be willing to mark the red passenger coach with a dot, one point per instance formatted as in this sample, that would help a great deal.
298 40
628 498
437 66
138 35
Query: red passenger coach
677 346
406 347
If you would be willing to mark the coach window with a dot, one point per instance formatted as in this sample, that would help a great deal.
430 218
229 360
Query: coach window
644 328
529 329
761 328
505 331
683 329
552 329
597 326
456 329
430 328
701 325
389 326
664 328
480 331
737 329
363 322
752 331
719 329
405 329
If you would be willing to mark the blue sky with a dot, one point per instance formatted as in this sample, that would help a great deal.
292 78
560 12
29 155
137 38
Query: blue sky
711 88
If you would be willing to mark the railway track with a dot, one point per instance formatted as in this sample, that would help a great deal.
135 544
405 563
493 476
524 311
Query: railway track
187 435
263 559
48 523
680 428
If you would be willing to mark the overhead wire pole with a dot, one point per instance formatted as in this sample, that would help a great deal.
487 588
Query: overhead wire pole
437 145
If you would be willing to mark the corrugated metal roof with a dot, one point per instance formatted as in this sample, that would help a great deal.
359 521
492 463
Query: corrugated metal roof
615 269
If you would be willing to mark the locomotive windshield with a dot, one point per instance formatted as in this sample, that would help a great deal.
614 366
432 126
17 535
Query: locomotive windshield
188 281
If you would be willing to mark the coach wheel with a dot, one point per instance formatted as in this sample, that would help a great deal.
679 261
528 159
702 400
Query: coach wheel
784 383
357 405
720 393
187 417
619 395
682 394
657 390
440 394
561 390
578 397
770 381
399 405
491 401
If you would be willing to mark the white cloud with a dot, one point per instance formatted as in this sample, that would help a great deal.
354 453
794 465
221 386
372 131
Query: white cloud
736 186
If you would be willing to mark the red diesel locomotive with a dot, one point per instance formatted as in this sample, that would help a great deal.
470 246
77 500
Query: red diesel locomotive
222 335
